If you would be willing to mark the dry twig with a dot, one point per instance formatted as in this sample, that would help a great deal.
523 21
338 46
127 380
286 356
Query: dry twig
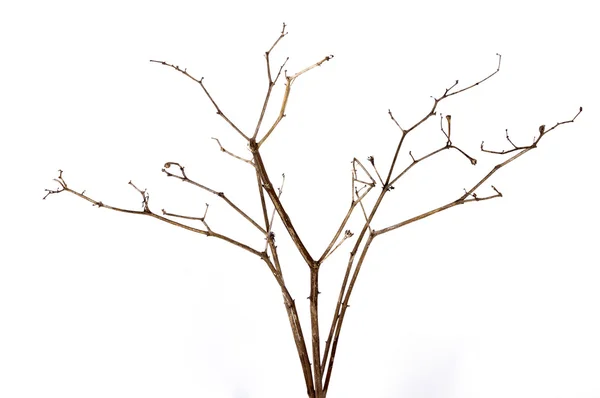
317 375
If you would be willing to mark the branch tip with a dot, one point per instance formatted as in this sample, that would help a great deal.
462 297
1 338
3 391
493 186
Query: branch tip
542 129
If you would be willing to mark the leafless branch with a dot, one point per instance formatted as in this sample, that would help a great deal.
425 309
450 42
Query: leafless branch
396 122
279 193
183 177
542 132
285 218
354 202
448 120
346 290
364 211
271 81
341 308
145 197
317 374
202 219
201 83
147 212
288 87
61 182
449 94
347 235
436 102
470 195
231 154
371 160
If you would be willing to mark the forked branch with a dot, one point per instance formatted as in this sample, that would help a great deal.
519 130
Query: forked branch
286 95
469 196
541 130
355 201
436 101
147 212
183 177
272 81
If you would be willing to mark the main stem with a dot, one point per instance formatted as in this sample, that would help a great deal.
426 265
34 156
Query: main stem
313 379
314 323
344 296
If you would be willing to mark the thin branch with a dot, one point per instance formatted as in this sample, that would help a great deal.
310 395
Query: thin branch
201 83
303 71
371 160
269 235
271 82
364 211
249 161
339 315
436 102
62 187
399 146
432 153
285 218
148 212
290 307
355 162
334 322
353 204
327 360
288 87
448 94
396 122
281 36
457 202
347 235
314 323
183 177
274 253
202 219
342 302
288 300
145 197
270 238
448 120
542 132
279 193
470 195
417 161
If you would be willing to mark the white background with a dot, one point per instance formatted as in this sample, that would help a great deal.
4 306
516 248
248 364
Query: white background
492 299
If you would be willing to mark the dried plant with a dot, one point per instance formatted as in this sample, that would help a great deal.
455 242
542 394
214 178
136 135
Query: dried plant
317 363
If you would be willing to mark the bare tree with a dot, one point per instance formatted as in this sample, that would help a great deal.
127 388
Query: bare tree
317 363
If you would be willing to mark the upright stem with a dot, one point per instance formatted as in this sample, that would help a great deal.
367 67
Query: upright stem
340 309
314 323
290 307
285 218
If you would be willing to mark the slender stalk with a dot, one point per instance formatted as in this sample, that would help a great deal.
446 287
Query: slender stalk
201 83
285 218
314 323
